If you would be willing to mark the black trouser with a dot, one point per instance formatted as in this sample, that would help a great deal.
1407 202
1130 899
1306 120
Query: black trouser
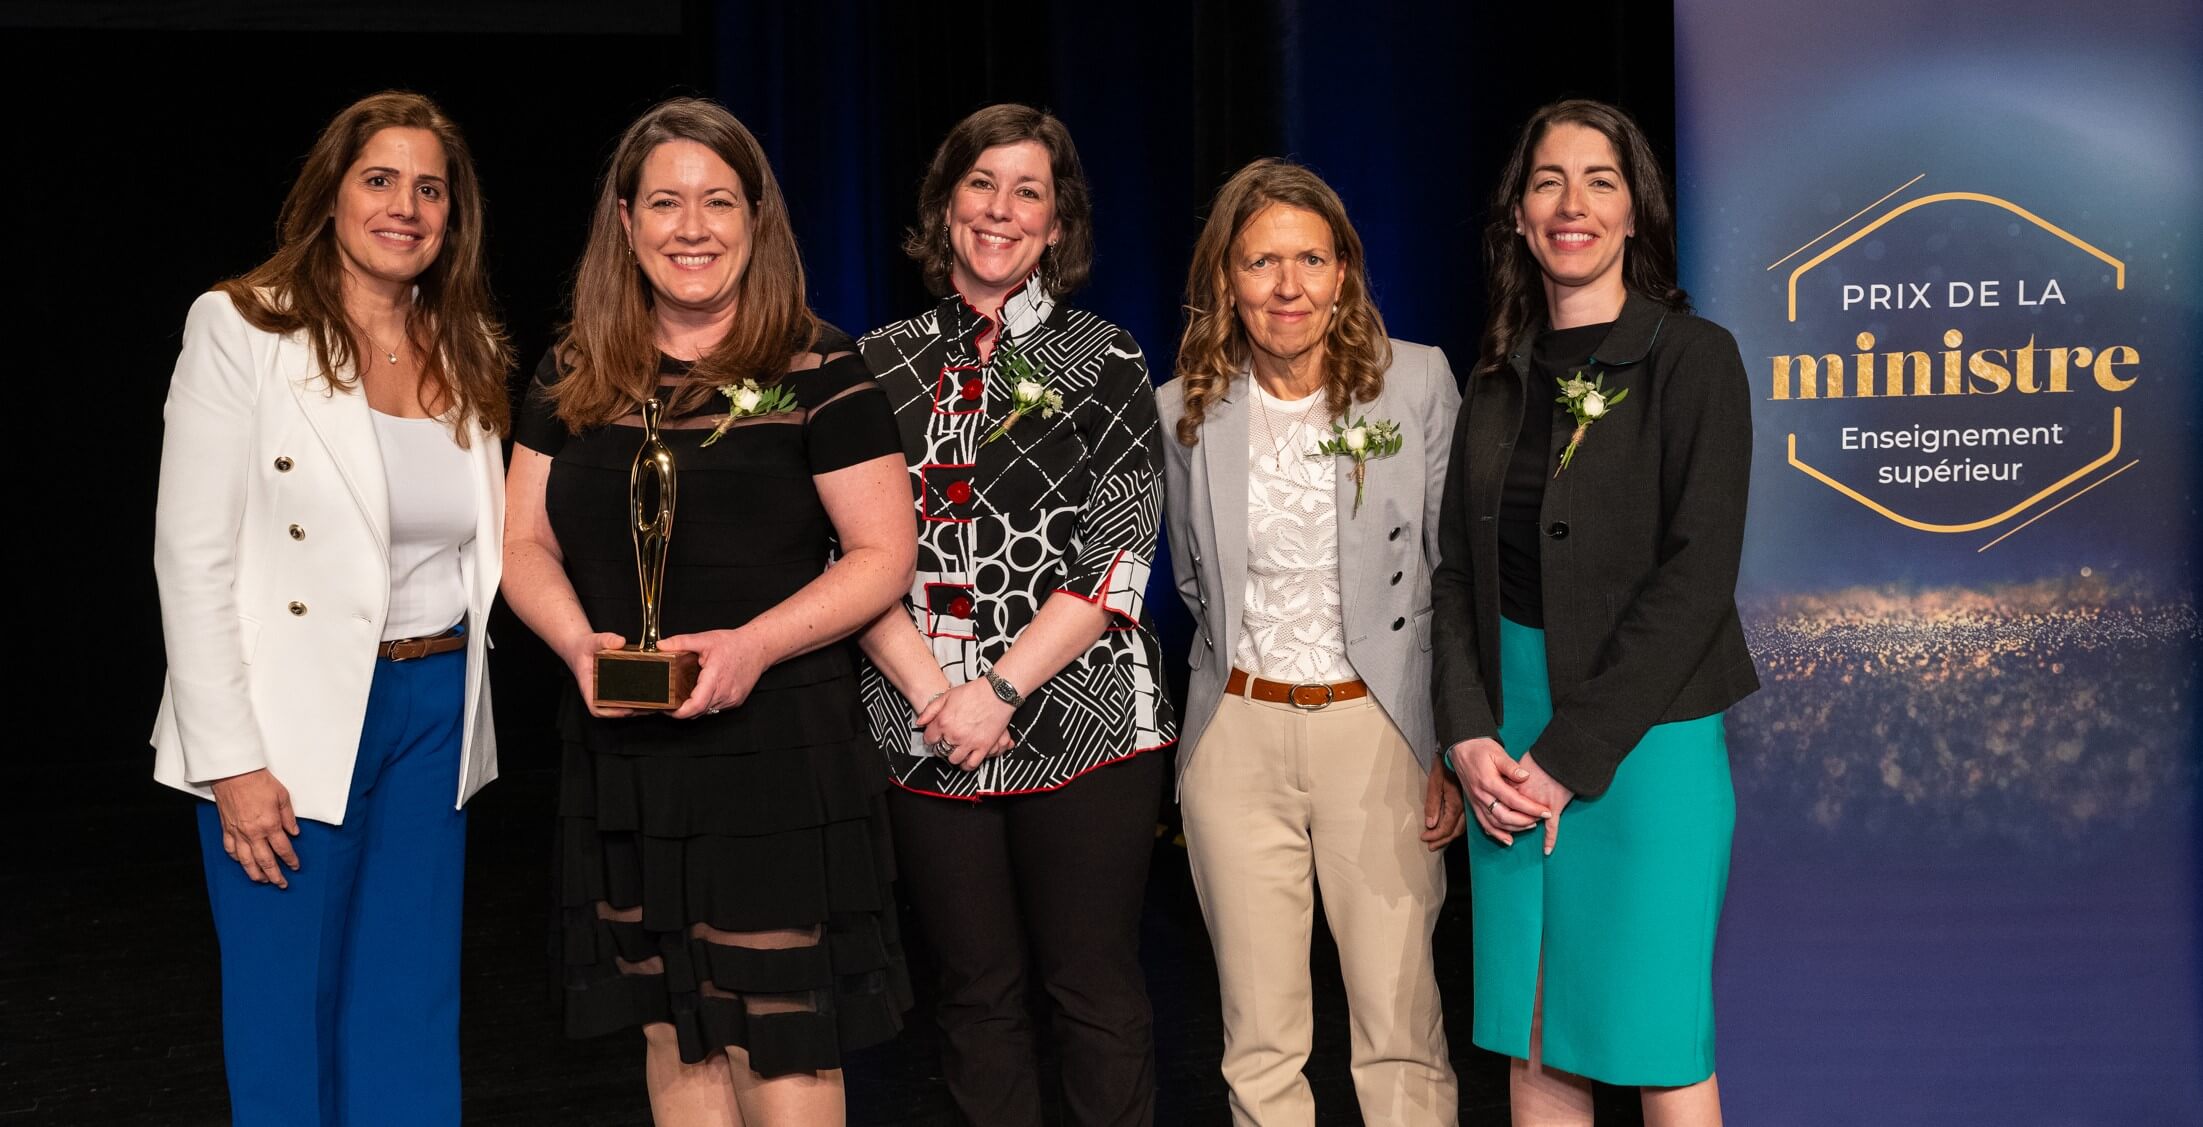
1066 869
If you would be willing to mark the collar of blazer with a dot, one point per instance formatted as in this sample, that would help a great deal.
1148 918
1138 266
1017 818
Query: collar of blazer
1224 456
1024 309
1626 343
341 420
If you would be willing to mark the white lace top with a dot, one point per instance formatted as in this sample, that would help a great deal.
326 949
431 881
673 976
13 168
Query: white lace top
1291 629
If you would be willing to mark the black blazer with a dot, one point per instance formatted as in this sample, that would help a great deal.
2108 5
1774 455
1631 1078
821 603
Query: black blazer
1643 531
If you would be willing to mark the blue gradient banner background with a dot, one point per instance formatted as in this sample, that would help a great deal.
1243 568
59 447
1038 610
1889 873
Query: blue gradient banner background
1965 880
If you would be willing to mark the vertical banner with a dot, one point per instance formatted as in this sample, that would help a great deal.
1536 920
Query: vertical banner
1959 246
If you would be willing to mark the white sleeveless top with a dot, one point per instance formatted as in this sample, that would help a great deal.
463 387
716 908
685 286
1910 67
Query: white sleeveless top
1292 627
431 517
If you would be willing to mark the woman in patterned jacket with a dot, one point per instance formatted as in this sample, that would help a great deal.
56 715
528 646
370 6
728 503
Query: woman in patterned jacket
1017 692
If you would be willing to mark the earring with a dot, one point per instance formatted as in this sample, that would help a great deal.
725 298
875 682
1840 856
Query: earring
945 244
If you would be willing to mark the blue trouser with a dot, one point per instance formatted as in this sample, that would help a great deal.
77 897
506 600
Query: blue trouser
340 994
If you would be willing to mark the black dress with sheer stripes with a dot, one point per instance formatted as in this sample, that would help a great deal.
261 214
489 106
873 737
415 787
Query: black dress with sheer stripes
766 821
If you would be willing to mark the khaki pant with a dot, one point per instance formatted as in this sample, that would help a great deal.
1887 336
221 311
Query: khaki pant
1277 800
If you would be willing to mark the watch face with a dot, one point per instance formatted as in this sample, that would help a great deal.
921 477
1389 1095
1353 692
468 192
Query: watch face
1003 690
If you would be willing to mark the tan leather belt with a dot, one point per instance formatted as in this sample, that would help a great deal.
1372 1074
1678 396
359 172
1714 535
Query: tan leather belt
413 649
1310 695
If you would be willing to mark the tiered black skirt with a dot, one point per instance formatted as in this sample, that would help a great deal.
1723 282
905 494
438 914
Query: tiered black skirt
770 817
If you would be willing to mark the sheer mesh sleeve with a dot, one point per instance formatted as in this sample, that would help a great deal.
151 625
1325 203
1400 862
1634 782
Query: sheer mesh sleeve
832 341
538 426
847 419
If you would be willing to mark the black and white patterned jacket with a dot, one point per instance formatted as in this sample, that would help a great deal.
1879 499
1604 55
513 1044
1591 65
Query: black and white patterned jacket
1069 503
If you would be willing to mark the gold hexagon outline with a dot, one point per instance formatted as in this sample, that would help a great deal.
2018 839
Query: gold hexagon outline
1975 526
1945 197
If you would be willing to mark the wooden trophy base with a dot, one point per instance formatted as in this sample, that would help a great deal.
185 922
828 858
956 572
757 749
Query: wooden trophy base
633 678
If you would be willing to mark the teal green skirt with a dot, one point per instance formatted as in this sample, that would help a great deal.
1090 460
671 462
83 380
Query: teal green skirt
1622 914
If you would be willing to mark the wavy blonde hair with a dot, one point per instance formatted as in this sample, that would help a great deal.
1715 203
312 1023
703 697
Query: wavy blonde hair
1214 346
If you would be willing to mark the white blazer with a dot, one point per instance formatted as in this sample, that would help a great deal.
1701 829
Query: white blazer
271 550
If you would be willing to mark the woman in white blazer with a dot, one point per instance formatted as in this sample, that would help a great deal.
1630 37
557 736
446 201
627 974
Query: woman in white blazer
327 544
1301 495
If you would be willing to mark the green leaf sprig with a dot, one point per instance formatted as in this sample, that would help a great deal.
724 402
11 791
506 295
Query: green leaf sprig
746 400
1029 390
1360 440
1587 402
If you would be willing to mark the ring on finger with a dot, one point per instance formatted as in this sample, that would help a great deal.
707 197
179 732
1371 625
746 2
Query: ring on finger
1494 808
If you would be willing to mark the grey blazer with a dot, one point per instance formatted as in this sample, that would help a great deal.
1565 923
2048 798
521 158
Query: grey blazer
1385 554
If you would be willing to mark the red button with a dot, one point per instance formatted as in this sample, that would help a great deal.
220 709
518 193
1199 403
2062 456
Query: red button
972 388
960 607
959 492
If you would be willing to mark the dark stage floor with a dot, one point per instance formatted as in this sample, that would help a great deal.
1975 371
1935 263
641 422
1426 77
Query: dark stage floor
108 994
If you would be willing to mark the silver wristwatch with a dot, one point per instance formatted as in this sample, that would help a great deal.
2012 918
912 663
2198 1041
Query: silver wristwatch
1004 691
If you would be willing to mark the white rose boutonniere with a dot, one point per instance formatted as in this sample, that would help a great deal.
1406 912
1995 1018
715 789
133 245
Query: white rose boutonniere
1587 401
1360 440
746 400
1029 390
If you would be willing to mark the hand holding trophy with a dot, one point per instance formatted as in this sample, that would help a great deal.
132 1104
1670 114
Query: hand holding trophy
642 675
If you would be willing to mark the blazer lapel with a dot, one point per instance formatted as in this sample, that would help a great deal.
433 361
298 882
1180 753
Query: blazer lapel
1353 527
1224 453
342 421
489 517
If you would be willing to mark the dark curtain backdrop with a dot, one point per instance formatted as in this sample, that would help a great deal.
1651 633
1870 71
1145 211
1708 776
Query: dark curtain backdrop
1408 110
159 140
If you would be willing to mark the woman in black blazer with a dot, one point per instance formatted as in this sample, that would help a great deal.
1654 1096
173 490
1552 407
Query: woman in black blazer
1586 637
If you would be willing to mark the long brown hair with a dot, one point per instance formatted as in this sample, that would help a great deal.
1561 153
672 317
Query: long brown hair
1214 347
1063 267
300 288
608 357
1513 280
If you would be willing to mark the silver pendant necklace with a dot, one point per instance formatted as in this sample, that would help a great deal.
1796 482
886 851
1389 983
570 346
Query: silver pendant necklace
388 353
1277 445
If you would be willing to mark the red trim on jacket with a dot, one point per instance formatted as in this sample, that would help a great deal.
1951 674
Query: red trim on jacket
933 617
925 491
900 785
939 388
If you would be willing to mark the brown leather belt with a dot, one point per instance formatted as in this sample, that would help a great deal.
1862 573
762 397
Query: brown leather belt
1310 695
413 649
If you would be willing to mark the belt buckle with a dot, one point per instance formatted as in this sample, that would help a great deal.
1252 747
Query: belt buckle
408 649
1292 695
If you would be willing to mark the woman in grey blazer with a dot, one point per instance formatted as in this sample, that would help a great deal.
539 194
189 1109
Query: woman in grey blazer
1302 495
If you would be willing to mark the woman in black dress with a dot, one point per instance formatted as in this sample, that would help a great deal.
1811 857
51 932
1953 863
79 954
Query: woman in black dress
1035 465
723 869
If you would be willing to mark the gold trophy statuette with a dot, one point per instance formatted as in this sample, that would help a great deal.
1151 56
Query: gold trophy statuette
642 675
